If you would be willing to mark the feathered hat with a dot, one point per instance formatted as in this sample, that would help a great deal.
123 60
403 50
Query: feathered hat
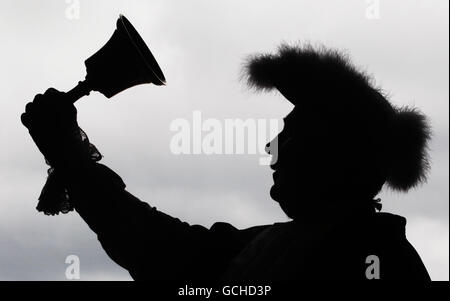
318 79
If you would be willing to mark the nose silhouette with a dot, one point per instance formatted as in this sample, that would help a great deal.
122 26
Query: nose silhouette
268 148
271 151
275 147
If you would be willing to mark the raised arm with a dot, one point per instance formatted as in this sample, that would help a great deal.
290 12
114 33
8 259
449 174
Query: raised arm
146 242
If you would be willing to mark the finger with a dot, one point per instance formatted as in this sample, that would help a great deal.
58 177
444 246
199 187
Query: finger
51 91
54 97
25 118
29 107
38 99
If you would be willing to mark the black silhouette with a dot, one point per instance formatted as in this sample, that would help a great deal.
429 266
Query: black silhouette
342 142
123 62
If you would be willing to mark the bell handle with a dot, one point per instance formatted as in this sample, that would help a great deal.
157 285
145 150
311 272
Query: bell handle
82 89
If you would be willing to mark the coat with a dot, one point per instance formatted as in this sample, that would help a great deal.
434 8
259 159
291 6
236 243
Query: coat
153 245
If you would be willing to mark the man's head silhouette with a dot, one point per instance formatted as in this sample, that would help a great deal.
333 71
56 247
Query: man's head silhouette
343 140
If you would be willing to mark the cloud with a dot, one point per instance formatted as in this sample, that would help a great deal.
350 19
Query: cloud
430 238
200 45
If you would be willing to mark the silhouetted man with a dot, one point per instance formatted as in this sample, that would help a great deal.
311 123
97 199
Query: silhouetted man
342 142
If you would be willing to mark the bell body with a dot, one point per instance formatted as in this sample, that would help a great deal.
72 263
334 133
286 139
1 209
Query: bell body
123 62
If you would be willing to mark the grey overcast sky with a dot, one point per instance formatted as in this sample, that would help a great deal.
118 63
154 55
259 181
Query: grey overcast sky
201 45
